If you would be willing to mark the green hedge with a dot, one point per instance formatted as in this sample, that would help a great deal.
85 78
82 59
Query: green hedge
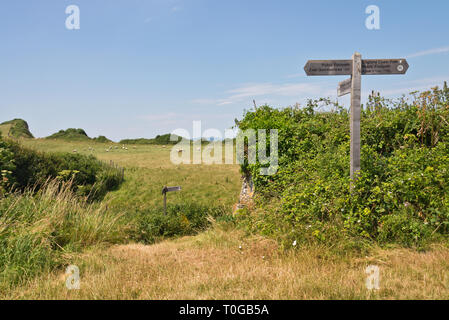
181 220
402 195
27 168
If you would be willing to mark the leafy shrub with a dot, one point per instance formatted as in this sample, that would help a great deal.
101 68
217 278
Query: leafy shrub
159 140
7 165
403 228
405 166
33 169
181 220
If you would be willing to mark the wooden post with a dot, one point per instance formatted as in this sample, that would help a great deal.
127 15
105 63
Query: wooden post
356 114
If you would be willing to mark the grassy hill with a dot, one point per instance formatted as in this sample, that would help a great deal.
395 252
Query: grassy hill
72 134
16 128
19 128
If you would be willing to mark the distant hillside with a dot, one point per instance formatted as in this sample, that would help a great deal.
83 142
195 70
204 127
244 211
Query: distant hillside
101 139
16 128
70 134
159 140
76 135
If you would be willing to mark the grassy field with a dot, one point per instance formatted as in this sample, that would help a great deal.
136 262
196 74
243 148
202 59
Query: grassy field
148 169
223 262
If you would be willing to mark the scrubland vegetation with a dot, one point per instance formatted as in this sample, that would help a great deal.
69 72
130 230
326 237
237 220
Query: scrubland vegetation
308 234
55 203
401 196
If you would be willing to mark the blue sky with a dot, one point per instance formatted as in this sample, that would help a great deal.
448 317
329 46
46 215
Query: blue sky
137 68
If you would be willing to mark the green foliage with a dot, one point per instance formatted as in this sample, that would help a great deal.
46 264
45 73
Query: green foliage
77 135
181 220
101 139
405 169
70 135
404 229
18 128
40 232
159 140
7 165
28 168
136 141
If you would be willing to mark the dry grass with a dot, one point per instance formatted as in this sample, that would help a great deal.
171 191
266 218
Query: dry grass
212 266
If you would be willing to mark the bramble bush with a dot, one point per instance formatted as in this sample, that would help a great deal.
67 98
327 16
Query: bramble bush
181 220
24 168
401 196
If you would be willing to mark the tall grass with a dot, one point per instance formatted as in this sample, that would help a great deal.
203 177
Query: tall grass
41 231
152 225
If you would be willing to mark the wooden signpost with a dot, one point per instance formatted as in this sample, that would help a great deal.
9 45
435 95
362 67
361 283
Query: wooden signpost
355 68
164 192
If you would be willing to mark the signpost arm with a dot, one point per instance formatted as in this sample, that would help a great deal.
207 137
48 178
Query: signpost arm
356 114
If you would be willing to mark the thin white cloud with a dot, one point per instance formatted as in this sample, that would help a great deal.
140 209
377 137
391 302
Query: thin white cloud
268 90
405 87
172 116
295 75
429 52
161 117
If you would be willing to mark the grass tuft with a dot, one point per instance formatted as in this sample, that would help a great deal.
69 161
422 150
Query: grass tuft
39 232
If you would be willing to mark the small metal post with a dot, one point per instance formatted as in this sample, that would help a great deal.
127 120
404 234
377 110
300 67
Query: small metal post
164 192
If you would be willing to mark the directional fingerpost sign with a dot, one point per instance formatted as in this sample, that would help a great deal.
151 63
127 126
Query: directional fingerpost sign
344 67
344 87
164 192
384 66
170 189
355 68
328 67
